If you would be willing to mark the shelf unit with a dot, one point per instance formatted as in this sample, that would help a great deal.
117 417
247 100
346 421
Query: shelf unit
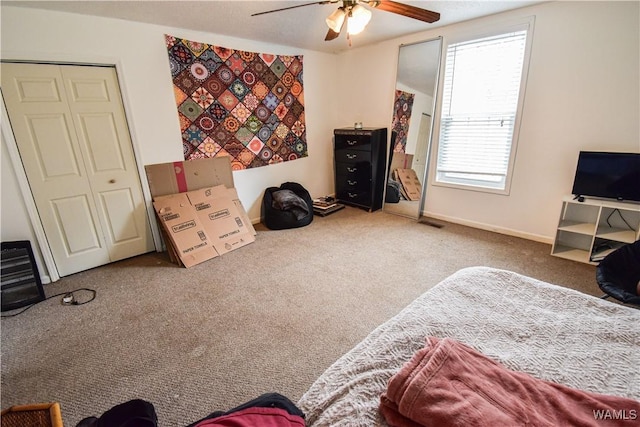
590 229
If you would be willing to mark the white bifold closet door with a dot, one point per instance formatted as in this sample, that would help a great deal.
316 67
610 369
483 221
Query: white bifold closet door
74 142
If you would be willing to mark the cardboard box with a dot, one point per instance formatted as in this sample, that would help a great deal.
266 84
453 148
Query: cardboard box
410 183
221 218
199 209
183 176
189 239
401 161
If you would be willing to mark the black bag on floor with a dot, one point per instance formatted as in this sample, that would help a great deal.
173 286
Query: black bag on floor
287 206
393 192
134 413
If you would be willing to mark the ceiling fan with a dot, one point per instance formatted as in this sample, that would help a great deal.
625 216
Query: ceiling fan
356 16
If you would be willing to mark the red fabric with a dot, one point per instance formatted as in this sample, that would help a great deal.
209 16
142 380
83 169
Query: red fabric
449 384
255 417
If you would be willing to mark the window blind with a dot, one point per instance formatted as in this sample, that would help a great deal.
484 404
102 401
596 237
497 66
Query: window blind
479 106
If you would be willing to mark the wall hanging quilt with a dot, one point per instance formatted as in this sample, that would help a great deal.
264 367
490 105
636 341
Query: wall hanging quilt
246 105
401 117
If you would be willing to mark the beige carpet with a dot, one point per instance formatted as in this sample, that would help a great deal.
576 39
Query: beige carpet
269 317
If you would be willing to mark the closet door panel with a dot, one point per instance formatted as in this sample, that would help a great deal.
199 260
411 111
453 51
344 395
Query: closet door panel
47 140
74 142
105 141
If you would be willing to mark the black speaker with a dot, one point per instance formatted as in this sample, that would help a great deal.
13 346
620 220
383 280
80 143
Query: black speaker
20 280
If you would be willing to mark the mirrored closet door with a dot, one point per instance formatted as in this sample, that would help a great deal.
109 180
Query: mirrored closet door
412 121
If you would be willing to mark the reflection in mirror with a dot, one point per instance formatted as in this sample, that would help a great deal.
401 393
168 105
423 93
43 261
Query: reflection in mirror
413 108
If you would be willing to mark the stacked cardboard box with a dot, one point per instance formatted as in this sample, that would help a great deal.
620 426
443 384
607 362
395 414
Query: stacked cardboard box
199 210
401 171
411 187
400 161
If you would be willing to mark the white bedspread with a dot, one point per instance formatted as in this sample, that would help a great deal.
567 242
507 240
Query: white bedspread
550 332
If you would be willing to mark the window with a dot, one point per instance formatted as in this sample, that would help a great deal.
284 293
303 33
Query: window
480 103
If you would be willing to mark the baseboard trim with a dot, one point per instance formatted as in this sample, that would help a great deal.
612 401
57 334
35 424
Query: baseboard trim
475 224
493 228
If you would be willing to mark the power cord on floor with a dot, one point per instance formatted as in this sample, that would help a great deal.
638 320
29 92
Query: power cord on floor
68 298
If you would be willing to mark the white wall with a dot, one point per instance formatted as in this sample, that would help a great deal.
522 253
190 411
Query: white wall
140 53
14 222
583 93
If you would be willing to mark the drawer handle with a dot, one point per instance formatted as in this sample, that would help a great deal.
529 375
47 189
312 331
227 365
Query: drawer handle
352 196
351 182
351 156
352 142
352 169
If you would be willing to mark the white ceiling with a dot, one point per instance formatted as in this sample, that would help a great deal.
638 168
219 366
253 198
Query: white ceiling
302 27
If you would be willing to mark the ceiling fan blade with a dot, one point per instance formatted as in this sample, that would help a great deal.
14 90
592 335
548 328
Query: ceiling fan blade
406 10
294 7
333 34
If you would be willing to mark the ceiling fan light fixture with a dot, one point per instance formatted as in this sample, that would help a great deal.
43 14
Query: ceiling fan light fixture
336 19
358 18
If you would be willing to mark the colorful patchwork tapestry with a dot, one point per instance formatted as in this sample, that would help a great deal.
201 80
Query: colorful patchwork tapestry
401 117
246 105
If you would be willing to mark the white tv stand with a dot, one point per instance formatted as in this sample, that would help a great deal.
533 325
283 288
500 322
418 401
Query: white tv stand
589 230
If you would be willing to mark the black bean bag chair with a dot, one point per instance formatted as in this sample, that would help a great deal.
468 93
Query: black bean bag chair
393 194
618 274
287 206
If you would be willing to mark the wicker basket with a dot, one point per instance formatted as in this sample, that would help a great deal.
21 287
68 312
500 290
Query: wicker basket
39 415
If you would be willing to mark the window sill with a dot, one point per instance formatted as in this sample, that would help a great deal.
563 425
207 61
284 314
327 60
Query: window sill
469 187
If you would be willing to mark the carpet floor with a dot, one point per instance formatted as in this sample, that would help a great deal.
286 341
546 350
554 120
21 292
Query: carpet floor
269 317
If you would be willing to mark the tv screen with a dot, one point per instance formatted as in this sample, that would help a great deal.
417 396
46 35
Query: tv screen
608 175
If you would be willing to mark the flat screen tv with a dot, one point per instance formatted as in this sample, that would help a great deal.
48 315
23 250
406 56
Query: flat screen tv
608 175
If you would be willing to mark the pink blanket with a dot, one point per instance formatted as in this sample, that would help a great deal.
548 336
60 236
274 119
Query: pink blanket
449 384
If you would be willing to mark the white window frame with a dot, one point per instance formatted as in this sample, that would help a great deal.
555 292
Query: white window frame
525 24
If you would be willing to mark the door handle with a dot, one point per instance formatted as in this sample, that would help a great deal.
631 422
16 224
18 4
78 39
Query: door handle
112 181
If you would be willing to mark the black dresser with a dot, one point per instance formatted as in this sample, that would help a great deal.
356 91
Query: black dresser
360 159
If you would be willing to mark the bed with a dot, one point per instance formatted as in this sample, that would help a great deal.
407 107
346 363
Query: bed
550 332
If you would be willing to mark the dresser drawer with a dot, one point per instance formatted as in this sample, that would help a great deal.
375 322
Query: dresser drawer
353 181
355 196
354 142
353 156
353 170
